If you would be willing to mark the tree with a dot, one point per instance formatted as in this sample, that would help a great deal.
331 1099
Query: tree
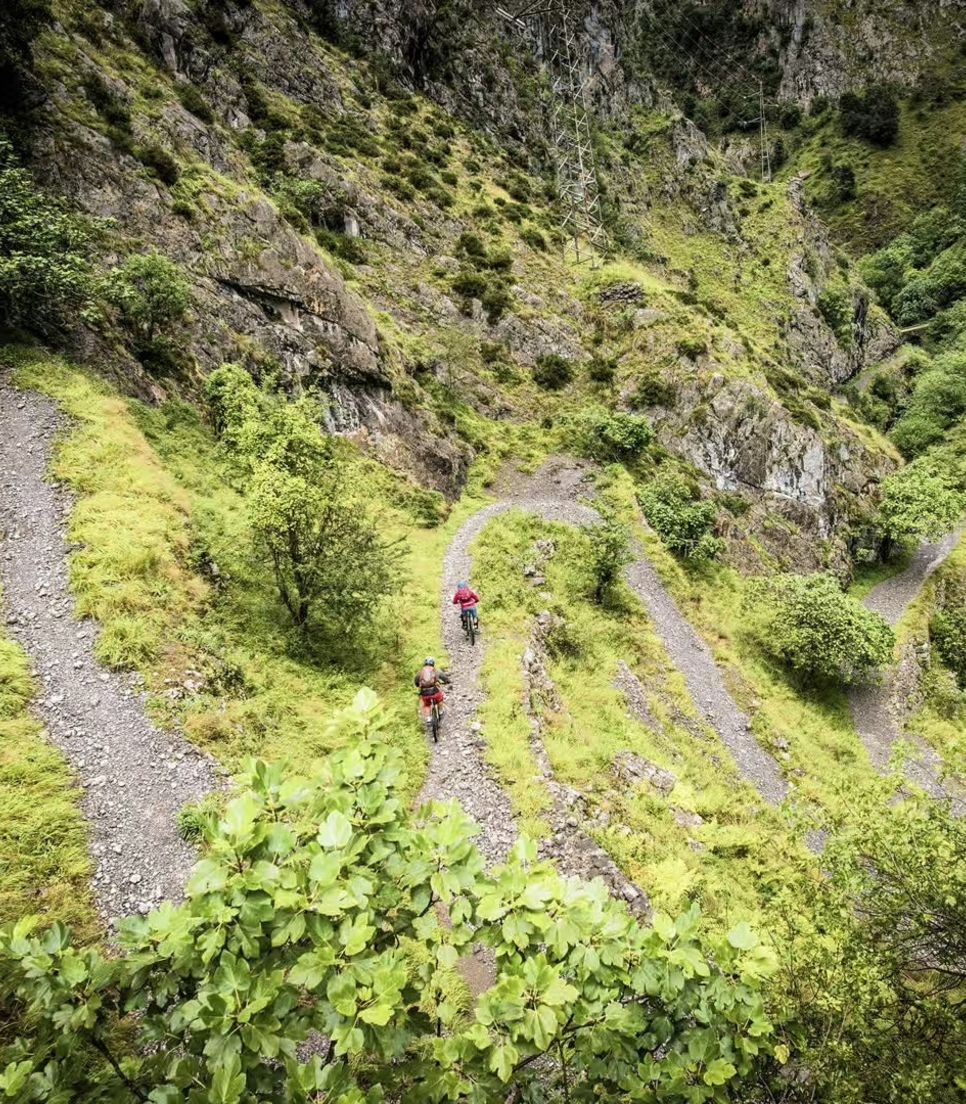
920 502
151 294
325 910
45 249
612 436
683 521
873 951
810 624
333 567
609 552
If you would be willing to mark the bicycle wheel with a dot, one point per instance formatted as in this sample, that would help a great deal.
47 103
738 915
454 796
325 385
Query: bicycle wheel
434 723
471 628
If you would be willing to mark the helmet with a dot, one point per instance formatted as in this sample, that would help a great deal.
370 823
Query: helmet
462 585
429 662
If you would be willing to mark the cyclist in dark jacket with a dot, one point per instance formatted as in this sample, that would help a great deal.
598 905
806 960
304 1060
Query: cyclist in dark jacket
430 682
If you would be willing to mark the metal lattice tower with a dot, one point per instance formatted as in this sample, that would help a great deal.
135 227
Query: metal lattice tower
551 29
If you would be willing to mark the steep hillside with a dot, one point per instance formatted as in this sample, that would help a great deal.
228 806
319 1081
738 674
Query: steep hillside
313 334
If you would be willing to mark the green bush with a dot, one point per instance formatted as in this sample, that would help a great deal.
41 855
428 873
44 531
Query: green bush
937 403
193 101
873 116
151 294
552 371
324 909
681 519
947 628
608 553
604 435
106 102
496 301
535 238
836 307
811 625
602 369
470 284
653 390
159 161
45 252
920 502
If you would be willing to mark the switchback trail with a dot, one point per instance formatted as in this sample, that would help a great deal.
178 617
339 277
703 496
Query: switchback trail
876 712
135 777
457 769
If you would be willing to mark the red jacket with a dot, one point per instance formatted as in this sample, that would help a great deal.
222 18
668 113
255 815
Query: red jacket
466 598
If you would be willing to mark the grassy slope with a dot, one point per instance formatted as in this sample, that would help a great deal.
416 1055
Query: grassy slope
893 185
44 864
155 501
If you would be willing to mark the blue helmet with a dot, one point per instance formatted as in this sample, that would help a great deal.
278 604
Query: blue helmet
429 662
462 585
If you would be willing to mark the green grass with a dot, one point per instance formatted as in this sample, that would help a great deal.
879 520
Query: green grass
156 504
44 862
732 861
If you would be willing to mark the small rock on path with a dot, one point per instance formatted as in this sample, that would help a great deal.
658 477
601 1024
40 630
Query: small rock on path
135 777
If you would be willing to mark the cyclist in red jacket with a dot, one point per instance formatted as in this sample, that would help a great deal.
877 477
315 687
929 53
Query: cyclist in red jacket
467 599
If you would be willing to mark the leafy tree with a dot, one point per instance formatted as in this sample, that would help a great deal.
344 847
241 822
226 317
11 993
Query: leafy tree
810 624
609 552
683 521
938 401
333 568
873 948
234 402
920 502
874 116
325 912
150 293
45 268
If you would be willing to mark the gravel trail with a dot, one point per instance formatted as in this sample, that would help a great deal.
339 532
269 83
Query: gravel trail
457 769
876 712
135 777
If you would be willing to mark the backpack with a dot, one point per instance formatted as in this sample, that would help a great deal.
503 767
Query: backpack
428 680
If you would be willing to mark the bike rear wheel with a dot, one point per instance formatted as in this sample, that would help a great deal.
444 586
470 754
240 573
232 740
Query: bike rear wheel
471 628
434 723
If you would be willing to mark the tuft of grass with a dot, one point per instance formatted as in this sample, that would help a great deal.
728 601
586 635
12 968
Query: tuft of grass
44 863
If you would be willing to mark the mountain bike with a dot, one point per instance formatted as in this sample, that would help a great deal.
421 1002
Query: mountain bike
470 626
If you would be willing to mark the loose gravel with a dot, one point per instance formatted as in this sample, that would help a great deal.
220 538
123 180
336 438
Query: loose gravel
458 770
876 711
135 777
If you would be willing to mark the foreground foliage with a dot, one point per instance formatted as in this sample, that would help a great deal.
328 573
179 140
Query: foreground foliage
809 623
874 970
319 913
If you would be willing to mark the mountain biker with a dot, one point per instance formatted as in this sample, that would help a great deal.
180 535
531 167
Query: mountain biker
467 600
430 683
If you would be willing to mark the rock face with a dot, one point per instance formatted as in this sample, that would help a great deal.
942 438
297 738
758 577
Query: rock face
829 49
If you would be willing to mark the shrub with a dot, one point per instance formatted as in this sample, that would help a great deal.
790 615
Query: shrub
613 436
159 161
920 502
552 371
836 307
470 245
325 909
150 293
870 951
938 401
873 116
193 101
653 390
681 519
470 284
812 626
45 268
496 301
608 553
602 369
106 102
948 632
535 238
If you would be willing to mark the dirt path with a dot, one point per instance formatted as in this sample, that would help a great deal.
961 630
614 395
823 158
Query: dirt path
876 712
135 777
457 769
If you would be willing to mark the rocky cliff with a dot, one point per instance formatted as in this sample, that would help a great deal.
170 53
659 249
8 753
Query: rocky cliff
362 200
